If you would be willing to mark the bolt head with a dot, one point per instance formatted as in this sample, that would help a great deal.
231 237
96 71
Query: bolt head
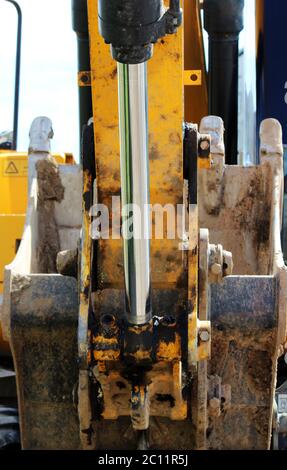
216 269
214 407
204 144
214 403
204 335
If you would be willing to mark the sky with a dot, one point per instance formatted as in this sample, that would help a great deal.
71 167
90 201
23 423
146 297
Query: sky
48 72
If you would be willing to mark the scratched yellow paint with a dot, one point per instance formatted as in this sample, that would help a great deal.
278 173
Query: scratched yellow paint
166 110
193 284
85 273
169 351
204 163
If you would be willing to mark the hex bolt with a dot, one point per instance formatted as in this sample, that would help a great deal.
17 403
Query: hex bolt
216 269
214 403
204 145
204 335
214 407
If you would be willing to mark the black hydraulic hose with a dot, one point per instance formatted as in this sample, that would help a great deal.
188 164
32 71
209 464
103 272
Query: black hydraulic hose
223 20
17 74
80 26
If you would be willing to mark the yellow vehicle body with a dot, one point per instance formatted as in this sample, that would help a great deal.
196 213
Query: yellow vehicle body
13 204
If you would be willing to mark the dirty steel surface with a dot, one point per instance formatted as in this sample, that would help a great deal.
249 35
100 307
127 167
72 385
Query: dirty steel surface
44 320
244 317
235 205
163 434
9 421
50 191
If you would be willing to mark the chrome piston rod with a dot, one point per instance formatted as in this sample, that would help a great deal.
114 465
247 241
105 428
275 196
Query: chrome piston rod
133 123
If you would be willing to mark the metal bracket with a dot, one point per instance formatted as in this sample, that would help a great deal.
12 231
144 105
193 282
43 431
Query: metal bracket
192 77
84 79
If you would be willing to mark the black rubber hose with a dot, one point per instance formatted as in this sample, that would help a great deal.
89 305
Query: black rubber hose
80 26
223 20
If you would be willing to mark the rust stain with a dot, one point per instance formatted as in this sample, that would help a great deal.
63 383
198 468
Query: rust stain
113 74
169 351
154 153
174 138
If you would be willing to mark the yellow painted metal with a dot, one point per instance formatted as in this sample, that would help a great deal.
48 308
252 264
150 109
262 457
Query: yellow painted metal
196 98
192 77
169 351
86 245
11 228
193 285
165 91
13 203
14 183
204 163
167 85
204 347
178 413
110 349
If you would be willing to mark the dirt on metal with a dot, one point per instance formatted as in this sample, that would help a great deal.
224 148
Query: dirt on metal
50 191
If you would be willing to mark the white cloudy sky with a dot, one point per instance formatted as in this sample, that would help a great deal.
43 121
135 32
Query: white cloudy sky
48 73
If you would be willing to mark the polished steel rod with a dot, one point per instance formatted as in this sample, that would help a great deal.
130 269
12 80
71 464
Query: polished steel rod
133 123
